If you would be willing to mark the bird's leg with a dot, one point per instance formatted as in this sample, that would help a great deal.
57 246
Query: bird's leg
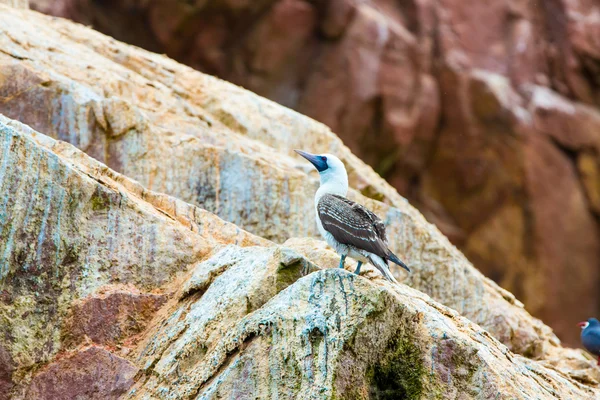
598 360
357 272
342 260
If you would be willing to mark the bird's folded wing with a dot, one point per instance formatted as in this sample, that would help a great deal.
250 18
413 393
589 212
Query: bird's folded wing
375 221
351 224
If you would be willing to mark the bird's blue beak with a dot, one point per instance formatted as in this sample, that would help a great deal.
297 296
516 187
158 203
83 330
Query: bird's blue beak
320 162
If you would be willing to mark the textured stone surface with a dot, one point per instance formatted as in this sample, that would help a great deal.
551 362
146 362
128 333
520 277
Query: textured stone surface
241 322
70 227
16 3
440 97
331 334
111 318
92 373
6 370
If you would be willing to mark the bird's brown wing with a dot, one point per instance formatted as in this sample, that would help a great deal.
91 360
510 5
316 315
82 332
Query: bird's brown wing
375 221
352 224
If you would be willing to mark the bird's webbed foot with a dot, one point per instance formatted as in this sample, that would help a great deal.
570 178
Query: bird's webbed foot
357 271
342 260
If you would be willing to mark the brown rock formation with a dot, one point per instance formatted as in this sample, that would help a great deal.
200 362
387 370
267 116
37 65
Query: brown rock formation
92 373
111 318
446 99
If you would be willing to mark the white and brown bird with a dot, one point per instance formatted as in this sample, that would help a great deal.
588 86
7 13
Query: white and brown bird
351 229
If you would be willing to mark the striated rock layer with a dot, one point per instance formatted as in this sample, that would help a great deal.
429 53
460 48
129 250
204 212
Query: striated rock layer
484 115
208 311
76 230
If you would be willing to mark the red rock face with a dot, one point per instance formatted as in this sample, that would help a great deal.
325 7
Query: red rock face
92 373
6 371
484 114
111 319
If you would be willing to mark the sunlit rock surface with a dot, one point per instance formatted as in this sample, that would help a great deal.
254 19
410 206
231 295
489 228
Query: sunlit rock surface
330 334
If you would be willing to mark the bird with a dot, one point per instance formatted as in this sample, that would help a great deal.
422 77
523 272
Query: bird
590 336
349 228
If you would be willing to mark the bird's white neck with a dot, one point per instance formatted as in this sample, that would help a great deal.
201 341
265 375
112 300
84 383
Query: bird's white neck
332 182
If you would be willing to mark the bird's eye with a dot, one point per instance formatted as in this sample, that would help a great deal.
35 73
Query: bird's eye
323 158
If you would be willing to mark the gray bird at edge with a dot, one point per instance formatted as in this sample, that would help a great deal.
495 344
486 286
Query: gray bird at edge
348 227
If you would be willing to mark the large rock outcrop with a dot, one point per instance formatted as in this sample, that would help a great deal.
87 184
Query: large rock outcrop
231 315
191 136
484 115
111 289
72 231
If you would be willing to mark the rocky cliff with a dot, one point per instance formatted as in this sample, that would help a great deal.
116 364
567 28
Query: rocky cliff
110 289
483 114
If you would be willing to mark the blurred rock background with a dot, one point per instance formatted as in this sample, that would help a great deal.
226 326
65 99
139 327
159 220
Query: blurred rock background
483 114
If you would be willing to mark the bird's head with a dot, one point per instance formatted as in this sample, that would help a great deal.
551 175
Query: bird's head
331 169
323 162
593 322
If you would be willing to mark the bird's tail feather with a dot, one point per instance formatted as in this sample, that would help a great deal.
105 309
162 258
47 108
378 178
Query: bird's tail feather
382 266
393 258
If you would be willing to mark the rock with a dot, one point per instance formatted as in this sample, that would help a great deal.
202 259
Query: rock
195 142
92 373
70 227
565 214
111 318
490 188
166 299
234 313
331 334
401 81
16 3
6 370
589 169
